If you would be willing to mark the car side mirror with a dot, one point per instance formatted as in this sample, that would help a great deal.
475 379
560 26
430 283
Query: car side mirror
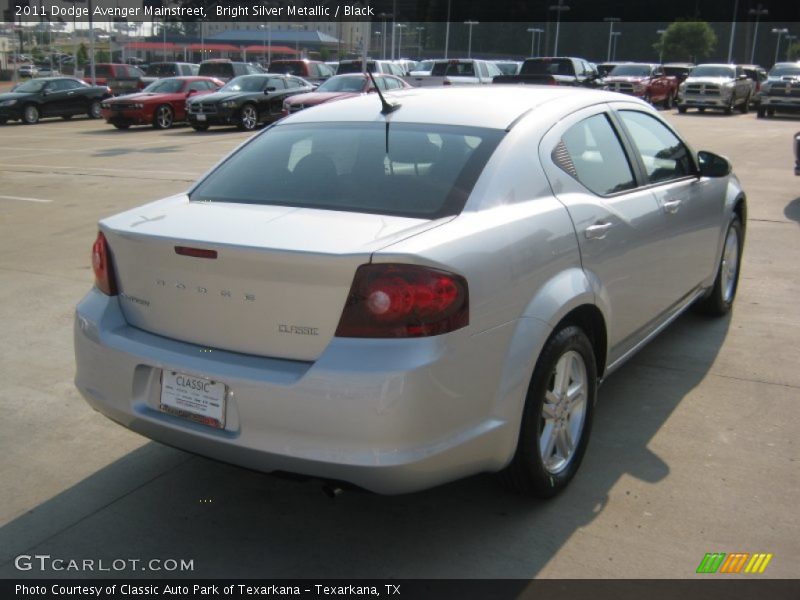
270 88
713 165
372 90
191 93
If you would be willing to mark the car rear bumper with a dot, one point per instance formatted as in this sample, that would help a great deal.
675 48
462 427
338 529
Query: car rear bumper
391 416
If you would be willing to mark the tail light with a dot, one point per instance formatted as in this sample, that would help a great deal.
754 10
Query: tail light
395 300
103 269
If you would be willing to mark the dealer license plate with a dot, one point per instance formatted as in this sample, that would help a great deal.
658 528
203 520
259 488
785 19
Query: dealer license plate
194 398
201 117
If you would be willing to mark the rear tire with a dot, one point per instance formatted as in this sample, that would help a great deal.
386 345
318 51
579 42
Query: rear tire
720 299
682 110
557 417
668 102
761 113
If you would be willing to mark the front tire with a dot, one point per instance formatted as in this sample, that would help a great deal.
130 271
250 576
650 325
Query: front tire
761 113
682 110
94 111
720 299
557 417
248 118
163 117
668 102
30 114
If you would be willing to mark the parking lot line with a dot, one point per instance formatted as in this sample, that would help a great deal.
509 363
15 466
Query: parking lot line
21 199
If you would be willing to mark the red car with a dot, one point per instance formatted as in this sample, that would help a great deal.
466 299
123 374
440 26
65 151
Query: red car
160 104
120 78
340 87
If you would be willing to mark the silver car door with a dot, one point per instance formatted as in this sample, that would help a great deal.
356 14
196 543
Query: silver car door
618 222
692 206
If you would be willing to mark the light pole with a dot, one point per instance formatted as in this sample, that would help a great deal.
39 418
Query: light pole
394 24
789 40
733 30
780 32
661 32
266 54
399 27
534 31
758 11
419 41
383 17
610 21
377 34
447 30
470 24
559 8
615 35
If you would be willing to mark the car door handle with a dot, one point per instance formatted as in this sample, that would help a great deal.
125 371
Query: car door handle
597 231
672 206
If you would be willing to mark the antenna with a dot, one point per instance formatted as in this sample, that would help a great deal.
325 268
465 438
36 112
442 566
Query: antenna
388 107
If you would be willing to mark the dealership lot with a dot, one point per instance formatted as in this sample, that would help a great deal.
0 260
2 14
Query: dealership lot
694 447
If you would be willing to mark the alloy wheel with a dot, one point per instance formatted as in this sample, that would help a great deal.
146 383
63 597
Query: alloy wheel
31 114
730 265
249 117
563 412
164 117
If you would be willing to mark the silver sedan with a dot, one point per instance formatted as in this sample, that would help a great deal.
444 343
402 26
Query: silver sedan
398 295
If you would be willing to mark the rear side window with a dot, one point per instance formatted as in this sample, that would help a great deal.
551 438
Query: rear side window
222 70
423 171
665 157
591 152
101 71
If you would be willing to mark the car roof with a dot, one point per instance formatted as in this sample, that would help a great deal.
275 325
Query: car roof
492 107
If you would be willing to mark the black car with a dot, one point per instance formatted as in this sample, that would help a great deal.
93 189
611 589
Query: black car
62 97
245 101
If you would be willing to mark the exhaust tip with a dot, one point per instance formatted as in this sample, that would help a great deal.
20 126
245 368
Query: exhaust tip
332 490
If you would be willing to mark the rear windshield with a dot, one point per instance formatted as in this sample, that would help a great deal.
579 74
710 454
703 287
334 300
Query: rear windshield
288 68
162 70
443 69
547 67
428 171
347 83
224 70
355 67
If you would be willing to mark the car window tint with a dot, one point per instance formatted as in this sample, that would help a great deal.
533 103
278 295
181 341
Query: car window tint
665 157
591 152
277 83
428 171
99 71
71 84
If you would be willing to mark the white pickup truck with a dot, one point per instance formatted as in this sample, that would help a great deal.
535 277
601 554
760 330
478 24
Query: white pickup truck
457 71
